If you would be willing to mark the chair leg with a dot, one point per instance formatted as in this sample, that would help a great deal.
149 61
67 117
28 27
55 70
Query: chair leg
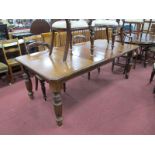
88 75
64 87
107 34
99 70
152 75
154 90
7 77
113 63
36 83
11 75
42 82
135 61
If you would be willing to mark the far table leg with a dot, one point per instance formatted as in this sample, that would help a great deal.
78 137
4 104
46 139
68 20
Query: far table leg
128 65
57 101
28 82
145 58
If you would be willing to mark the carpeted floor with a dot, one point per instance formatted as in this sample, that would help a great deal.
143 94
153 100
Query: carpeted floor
106 104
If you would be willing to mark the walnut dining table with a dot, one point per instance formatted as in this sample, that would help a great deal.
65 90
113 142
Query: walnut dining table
55 71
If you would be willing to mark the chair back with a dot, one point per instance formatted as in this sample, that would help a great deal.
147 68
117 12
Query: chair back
37 45
30 39
11 49
39 26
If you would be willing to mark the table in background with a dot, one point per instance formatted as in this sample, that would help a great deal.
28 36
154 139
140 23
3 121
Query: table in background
145 41
54 71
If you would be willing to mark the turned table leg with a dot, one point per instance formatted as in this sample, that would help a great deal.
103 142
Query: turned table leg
57 101
28 82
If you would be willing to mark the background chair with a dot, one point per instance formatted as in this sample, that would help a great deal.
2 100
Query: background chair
152 73
42 82
123 60
3 32
3 69
108 24
11 49
39 26
136 26
67 26
152 76
34 38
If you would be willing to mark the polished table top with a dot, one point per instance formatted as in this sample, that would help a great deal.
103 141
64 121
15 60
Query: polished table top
56 72
52 68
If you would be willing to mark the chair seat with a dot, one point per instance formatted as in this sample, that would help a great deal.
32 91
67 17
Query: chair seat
80 24
3 67
134 54
103 22
12 62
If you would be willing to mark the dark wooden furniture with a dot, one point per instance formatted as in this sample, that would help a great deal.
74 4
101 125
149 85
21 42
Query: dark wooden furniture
124 58
138 23
42 81
55 71
153 73
152 76
3 32
144 41
33 38
39 26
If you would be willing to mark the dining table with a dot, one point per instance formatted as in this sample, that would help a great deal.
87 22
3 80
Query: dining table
56 72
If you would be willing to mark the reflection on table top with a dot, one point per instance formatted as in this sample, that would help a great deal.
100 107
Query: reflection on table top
52 68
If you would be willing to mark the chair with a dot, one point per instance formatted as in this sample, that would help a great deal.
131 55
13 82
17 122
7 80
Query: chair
117 62
36 42
152 76
148 52
3 68
42 82
152 73
108 24
136 26
34 38
67 26
3 32
39 26
11 49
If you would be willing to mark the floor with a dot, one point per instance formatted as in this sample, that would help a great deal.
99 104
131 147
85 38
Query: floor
106 104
